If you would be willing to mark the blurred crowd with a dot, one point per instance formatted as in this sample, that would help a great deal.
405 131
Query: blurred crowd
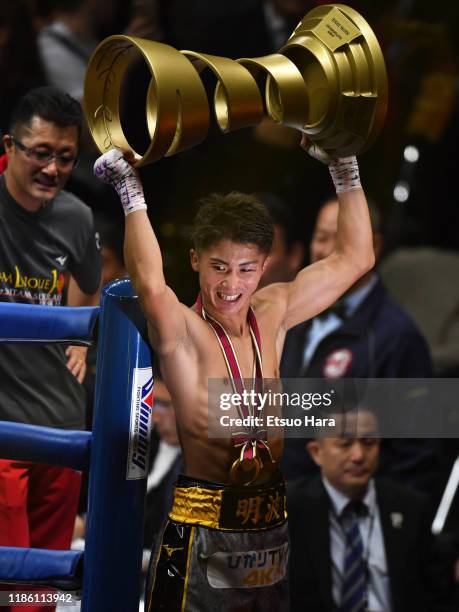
50 41
409 174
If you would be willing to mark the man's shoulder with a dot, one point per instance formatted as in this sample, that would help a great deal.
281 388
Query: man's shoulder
269 304
397 314
389 312
393 492
69 204
270 297
305 490
70 199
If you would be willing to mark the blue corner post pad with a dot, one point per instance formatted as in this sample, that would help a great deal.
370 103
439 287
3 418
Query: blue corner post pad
47 324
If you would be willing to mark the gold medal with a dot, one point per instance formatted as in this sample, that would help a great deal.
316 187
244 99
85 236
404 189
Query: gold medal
268 465
245 471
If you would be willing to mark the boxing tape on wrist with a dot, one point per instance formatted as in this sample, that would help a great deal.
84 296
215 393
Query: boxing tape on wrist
113 169
345 174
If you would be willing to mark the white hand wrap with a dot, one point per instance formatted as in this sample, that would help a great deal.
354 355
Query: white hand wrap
344 170
345 174
113 169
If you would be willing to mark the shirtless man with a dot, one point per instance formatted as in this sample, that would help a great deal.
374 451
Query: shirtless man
225 545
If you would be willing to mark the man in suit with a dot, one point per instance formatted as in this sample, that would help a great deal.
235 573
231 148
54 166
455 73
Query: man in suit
357 542
364 335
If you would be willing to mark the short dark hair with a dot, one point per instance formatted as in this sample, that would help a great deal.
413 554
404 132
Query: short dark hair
238 217
48 103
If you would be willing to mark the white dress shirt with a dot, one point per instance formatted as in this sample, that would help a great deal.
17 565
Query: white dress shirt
374 553
321 327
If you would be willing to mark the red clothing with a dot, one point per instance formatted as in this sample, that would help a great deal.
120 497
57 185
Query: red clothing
3 163
38 505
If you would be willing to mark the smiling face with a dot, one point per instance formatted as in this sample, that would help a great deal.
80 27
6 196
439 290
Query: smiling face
31 183
229 274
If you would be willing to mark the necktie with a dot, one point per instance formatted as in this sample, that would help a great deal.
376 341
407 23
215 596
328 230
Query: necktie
354 587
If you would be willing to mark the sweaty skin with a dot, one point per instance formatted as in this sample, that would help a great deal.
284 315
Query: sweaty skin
187 348
187 374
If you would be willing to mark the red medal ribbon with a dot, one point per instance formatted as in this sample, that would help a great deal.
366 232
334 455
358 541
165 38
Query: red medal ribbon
253 437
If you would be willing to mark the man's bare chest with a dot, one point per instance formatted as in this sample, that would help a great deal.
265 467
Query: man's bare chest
215 358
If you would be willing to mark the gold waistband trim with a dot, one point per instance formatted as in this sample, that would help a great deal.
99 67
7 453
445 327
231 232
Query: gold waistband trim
195 506
230 509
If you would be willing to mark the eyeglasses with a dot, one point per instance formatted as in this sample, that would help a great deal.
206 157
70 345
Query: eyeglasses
43 158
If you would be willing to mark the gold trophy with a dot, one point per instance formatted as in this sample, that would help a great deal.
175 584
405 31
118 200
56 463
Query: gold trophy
328 81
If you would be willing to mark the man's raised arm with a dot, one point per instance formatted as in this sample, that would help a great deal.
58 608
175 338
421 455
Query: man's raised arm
320 284
165 314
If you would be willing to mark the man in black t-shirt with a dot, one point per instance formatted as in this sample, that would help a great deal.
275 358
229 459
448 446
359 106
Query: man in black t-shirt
46 235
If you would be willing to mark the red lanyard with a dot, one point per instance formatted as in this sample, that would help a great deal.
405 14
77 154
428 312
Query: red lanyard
252 437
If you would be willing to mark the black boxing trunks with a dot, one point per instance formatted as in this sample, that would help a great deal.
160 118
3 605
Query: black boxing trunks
223 548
